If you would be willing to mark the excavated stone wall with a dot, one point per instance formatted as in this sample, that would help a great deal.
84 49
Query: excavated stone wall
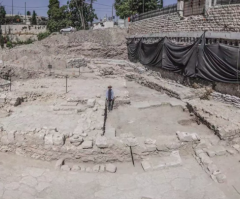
219 18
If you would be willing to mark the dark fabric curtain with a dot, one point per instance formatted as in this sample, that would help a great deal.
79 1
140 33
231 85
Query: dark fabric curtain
215 62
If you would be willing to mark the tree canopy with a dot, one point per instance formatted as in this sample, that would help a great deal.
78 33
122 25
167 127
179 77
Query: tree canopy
81 13
58 16
28 13
2 14
76 13
34 18
125 8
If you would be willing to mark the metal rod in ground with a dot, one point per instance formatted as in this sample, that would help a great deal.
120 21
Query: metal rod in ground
132 156
10 83
66 83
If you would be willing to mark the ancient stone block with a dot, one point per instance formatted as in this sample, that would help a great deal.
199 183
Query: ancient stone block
65 168
146 165
96 168
91 103
102 168
48 139
236 147
110 132
212 168
76 140
11 136
219 150
101 142
187 137
59 163
89 170
58 140
111 168
221 178
205 159
211 152
87 145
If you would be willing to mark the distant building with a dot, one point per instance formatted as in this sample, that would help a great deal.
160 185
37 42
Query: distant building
27 19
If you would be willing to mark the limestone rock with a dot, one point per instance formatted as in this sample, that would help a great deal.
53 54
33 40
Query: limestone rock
102 168
111 168
102 142
91 103
76 168
212 168
150 142
76 140
146 166
59 163
87 144
65 168
219 150
96 168
187 137
58 140
89 170
221 178
236 147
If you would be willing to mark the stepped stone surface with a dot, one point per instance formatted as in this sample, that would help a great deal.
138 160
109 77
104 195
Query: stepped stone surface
223 119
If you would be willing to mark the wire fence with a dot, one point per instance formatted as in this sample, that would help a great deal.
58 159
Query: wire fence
227 2
165 10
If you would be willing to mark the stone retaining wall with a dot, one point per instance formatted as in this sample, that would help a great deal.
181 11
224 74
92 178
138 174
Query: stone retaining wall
219 18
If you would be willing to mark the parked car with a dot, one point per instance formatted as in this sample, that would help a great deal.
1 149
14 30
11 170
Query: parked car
68 29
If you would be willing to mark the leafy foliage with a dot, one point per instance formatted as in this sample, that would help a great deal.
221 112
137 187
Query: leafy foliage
13 19
28 13
2 42
126 8
81 13
43 35
9 44
34 18
58 16
2 14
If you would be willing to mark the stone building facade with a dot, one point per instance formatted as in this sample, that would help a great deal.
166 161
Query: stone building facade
219 18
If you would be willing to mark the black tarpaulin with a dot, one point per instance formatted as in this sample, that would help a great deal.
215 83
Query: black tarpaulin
215 62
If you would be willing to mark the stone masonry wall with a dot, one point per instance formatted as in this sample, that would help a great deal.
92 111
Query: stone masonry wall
219 18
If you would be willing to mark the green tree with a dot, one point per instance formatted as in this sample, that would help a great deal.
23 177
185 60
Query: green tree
81 13
28 13
34 18
58 16
2 42
2 14
125 8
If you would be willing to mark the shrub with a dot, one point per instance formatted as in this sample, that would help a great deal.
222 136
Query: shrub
9 44
43 35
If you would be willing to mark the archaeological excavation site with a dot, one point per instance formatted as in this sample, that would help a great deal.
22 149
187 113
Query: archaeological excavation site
172 79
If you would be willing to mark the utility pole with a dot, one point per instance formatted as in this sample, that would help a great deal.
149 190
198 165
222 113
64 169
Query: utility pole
12 7
25 13
92 12
112 12
143 5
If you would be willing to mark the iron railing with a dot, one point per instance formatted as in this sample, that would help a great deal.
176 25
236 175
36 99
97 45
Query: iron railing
227 2
165 10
